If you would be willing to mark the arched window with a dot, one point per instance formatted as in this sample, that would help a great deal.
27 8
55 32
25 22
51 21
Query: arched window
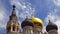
13 28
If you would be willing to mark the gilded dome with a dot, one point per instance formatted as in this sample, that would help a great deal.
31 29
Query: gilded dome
37 21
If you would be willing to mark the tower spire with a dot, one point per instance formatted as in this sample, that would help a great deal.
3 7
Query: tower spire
13 11
13 15
13 25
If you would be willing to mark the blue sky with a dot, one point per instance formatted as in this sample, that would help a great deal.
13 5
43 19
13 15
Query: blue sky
43 9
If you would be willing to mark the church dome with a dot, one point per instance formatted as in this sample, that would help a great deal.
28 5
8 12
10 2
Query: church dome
37 21
51 26
27 22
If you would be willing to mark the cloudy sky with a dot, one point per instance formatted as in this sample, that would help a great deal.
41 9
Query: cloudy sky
43 9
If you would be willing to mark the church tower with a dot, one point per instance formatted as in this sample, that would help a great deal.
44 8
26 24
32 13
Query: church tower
13 25
52 28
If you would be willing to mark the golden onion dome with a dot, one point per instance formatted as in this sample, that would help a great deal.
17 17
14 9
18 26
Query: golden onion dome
37 21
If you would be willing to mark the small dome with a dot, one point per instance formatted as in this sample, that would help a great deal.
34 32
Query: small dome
51 26
27 22
37 21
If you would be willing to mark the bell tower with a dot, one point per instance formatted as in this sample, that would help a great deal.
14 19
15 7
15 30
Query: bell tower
12 25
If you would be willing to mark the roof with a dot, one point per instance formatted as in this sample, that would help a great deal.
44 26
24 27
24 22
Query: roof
51 26
37 21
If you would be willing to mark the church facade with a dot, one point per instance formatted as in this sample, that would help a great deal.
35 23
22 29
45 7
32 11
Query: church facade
31 25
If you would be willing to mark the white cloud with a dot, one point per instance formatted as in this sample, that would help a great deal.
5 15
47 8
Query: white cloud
57 2
3 15
2 25
58 23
